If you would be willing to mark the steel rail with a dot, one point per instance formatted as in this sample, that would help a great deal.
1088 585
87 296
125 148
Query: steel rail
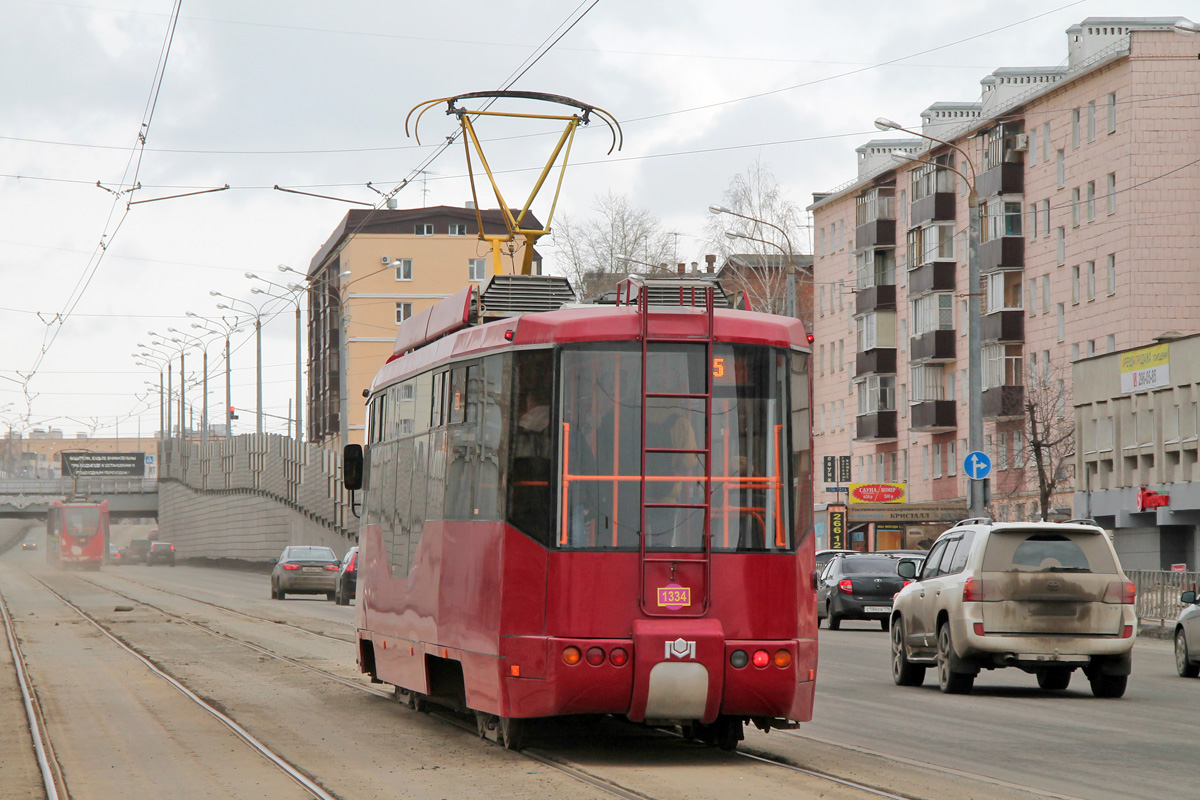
292 772
41 739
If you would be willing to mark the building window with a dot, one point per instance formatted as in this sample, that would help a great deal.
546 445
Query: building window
1091 347
1111 343
867 332
1003 291
1091 121
1091 280
1002 451
1074 127
951 459
903 400
1046 216
933 312
1001 365
1111 269
1062 322
404 269
925 462
1074 351
937 460
841 290
1033 222
1045 294
476 269
821 359
1075 207
928 382
1031 297
1074 285
1062 169
876 393
1110 191
423 229
1033 150
458 229
841 357
1091 201
403 312
821 242
1046 142
1062 246
821 302
1112 113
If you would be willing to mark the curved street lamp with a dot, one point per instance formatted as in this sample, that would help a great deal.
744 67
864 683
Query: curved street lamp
789 254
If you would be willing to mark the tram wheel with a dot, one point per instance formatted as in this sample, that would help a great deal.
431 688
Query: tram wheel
513 732
728 732
484 723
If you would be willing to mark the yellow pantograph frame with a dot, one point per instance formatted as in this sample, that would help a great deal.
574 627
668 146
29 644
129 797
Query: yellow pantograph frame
563 147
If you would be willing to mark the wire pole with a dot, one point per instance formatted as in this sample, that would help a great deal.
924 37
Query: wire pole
228 395
258 342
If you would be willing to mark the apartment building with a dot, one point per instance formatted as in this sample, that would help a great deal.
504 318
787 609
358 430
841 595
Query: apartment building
1088 182
378 268
1137 414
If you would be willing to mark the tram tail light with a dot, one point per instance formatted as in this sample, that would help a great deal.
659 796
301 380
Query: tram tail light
761 658
571 655
783 658
619 656
595 656
846 586
739 659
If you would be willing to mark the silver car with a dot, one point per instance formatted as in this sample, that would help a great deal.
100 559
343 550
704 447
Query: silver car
304 569
1187 637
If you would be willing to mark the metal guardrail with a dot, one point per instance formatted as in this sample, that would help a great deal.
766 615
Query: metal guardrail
1158 592
91 486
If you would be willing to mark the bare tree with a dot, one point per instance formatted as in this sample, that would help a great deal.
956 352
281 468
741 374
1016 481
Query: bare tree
589 249
1050 432
776 238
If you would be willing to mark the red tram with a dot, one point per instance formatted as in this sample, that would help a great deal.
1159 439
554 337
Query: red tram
592 509
77 534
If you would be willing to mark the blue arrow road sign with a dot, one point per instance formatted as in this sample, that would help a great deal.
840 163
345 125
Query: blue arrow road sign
977 465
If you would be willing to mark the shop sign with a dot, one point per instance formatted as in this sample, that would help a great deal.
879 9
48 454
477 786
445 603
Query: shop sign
877 493
837 528
909 513
1148 499
1145 368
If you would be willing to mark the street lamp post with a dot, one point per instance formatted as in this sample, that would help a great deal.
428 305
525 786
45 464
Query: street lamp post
789 254
257 314
293 296
191 340
224 328
182 377
975 488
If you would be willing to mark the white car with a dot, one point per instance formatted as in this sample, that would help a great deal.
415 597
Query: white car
1047 598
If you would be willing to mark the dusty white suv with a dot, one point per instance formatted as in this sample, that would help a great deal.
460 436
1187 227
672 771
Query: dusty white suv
1047 598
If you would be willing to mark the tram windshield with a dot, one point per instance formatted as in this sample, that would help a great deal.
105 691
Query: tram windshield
601 407
81 520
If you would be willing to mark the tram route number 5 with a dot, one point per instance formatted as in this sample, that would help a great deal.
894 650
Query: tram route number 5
718 367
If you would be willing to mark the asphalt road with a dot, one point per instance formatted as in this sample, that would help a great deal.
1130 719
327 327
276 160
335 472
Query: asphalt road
121 732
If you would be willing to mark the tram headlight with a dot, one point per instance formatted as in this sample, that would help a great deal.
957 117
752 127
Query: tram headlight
739 659
571 655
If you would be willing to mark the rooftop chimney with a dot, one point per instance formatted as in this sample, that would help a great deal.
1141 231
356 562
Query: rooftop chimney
695 267
470 204
711 260
681 268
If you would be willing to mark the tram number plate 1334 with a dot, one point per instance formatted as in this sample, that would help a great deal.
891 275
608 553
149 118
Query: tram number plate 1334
674 596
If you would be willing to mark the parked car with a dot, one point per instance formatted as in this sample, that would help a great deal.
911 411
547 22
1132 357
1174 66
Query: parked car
135 552
825 556
29 544
1187 637
347 580
114 554
304 569
1047 598
160 553
858 586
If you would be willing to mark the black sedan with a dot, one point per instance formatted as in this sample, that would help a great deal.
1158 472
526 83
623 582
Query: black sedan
858 587
160 553
347 580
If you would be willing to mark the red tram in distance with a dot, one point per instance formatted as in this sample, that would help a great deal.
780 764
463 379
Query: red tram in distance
592 509
76 534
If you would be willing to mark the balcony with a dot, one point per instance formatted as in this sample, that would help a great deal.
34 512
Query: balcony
1003 326
934 207
877 361
1002 252
875 298
1007 178
876 233
935 416
936 276
1003 401
934 346
878 426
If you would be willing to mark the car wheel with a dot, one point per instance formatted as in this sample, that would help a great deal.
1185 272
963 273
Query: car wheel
1111 686
883 623
834 622
949 681
1183 664
274 591
329 596
1054 679
904 672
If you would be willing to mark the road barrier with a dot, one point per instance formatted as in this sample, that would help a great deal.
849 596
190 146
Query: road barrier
1158 592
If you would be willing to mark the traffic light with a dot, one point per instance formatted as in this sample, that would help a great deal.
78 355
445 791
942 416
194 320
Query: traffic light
233 413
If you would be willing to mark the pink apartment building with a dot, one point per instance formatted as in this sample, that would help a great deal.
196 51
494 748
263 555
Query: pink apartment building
1088 179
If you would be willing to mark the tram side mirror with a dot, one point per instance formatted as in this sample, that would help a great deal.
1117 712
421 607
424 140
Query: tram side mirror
1187 598
907 570
352 467
816 578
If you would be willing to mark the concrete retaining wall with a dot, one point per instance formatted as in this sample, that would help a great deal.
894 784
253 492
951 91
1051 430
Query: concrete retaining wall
249 497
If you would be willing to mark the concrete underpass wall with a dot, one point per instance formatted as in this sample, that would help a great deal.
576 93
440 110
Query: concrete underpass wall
248 497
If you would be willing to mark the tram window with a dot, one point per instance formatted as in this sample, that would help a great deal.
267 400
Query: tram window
600 426
419 495
387 494
436 475
676 368
422 402
461 445
751 488
437 414
530 497
493 403
401 520
802 498
458 396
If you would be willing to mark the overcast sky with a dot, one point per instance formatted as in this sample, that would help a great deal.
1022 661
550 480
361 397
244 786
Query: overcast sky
313 95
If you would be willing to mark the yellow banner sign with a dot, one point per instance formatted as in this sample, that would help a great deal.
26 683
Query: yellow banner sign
1145 368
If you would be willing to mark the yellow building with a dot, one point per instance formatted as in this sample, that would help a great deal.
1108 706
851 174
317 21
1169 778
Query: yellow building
379 267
